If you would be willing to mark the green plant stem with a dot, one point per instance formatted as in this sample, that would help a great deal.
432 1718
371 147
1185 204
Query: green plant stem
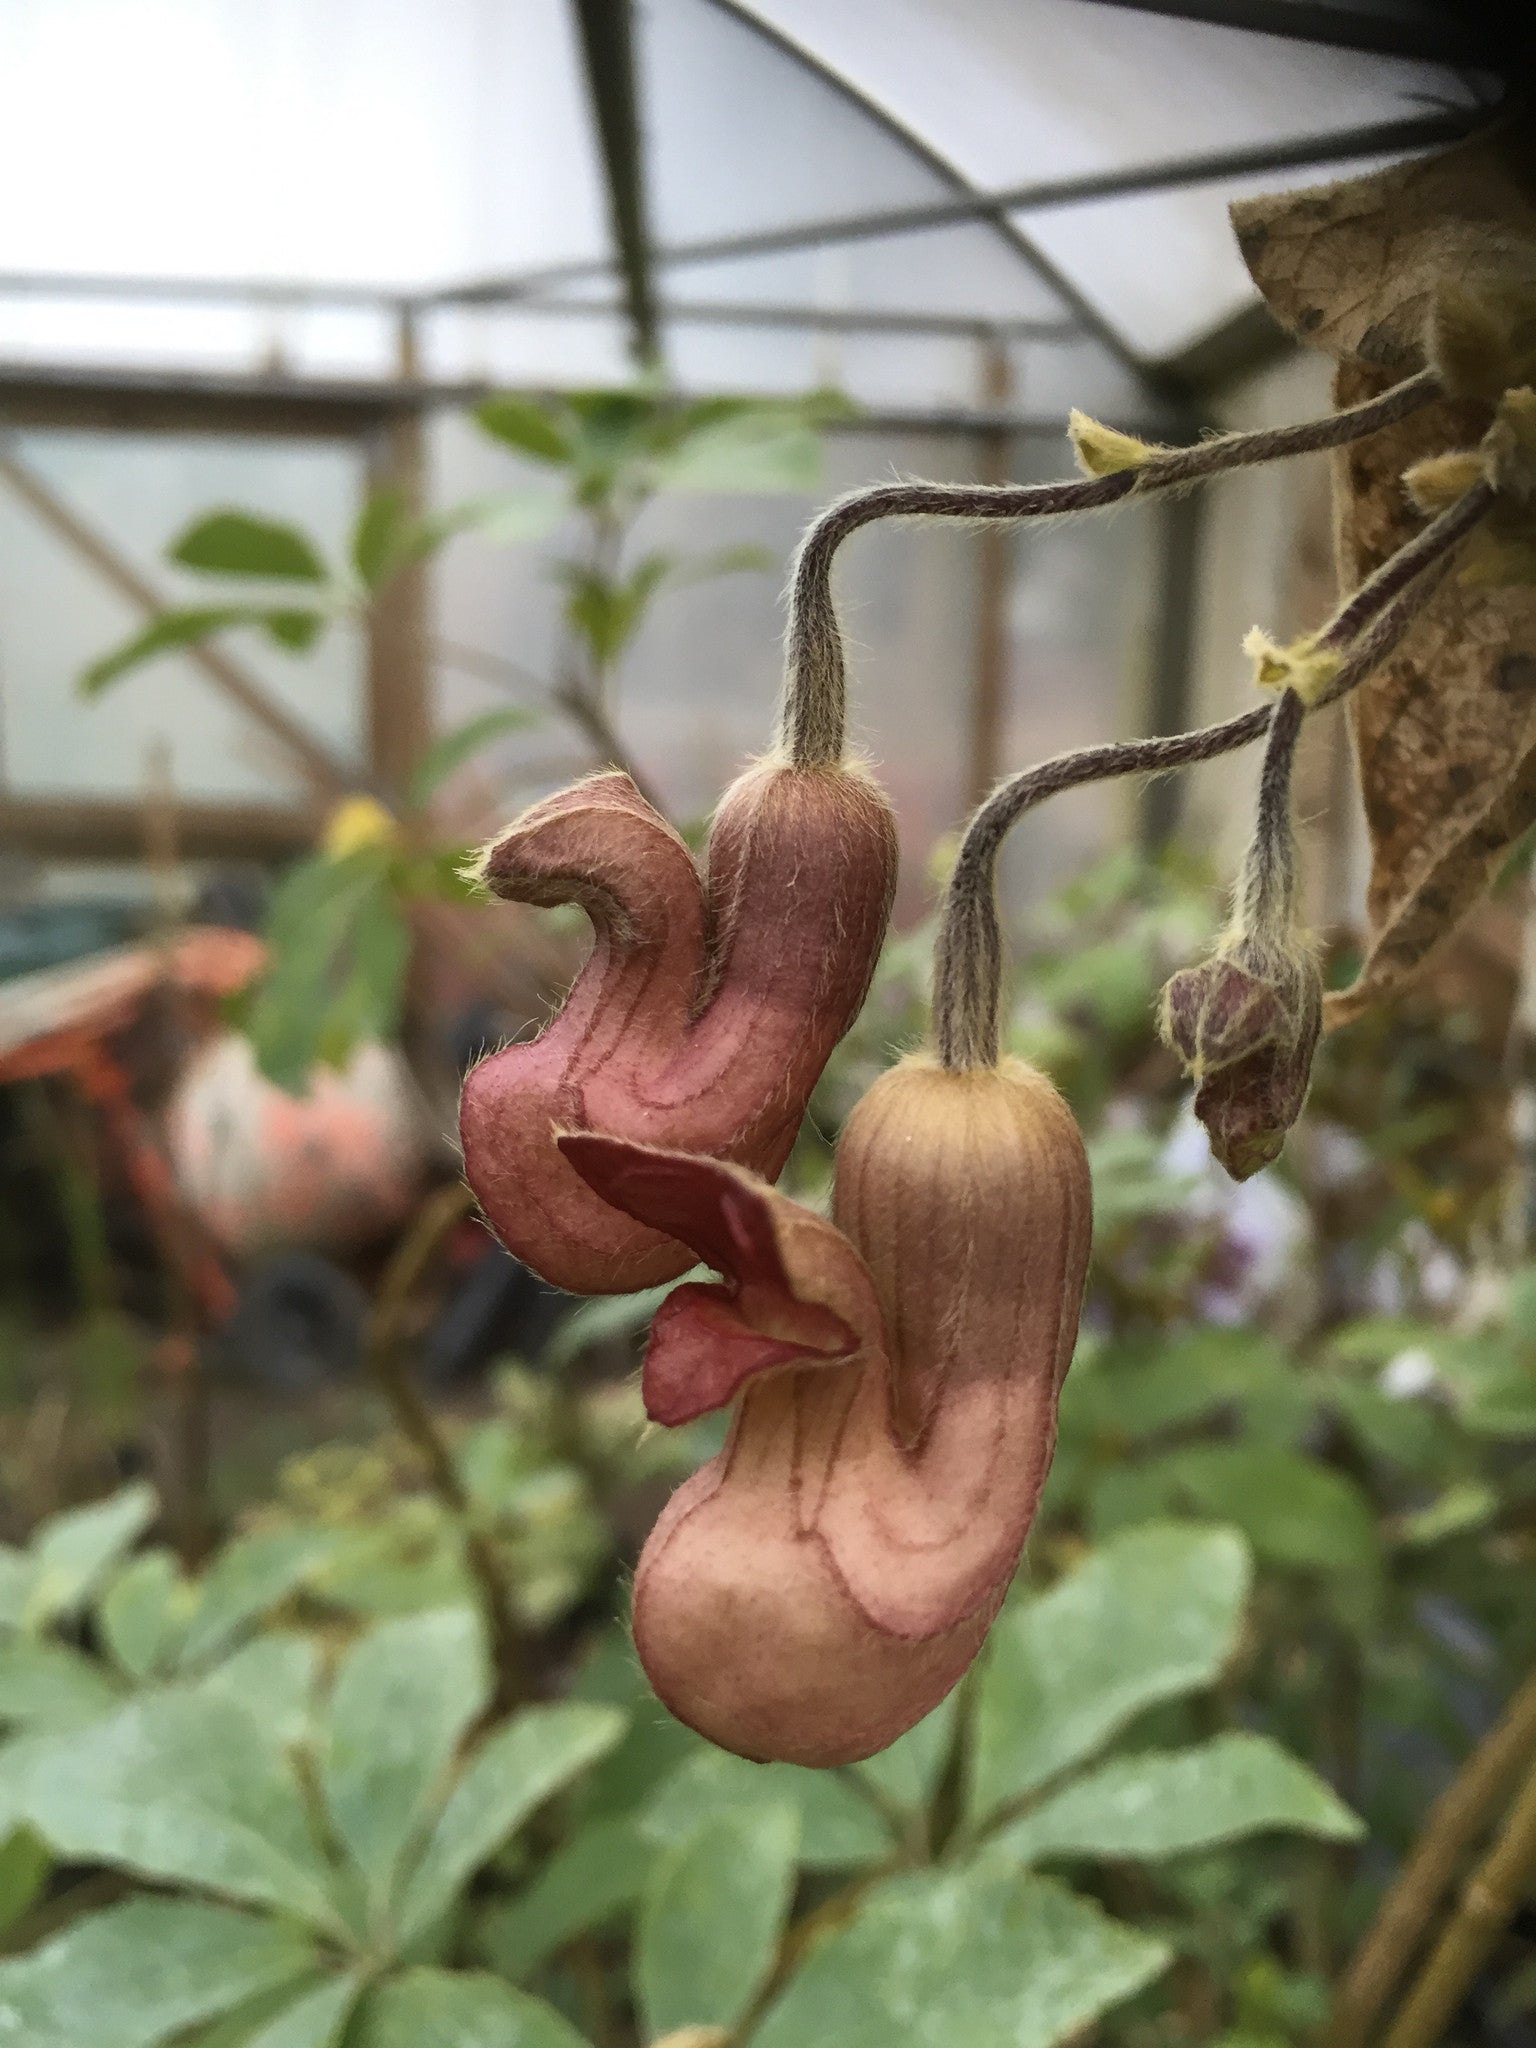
1455 1822
1488 1903
385 1356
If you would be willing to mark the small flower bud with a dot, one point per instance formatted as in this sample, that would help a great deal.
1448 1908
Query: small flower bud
1440 481
1105 451
818 1588
1305 666
1245 1025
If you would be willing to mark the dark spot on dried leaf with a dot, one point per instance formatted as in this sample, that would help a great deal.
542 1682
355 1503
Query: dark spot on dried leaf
1516 673
1251 240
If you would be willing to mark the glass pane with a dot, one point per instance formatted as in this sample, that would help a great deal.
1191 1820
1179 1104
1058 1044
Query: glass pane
57 615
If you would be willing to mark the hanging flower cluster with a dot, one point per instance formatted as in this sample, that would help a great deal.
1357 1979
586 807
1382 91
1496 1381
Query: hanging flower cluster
819 1586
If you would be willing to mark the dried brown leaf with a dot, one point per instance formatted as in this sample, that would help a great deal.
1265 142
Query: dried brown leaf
1445 732
1353 268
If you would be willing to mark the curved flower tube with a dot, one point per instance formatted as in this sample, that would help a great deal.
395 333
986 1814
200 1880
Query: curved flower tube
705 1013
819 1586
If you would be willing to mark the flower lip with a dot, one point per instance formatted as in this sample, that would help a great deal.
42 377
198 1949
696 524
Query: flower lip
706 1205
708 1342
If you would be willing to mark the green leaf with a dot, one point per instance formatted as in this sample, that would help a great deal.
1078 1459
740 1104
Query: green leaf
73 1551
529 428
1491 1380
1165 1803
1469 1504
592 1878
755 452
18 1571
25 1864
365 1008
314 923
457 2009
1295 1511
909 1770
248 1579
403 1699
1409 1433
1135 1390
607 612
171 630
1152 1615
711 1919
51 1685
234 543
451 750
144 1612
380 535
604 1320
274 1678
969 1958
296 631
134 1975
181 1787
517 1769
838 1829
315 2019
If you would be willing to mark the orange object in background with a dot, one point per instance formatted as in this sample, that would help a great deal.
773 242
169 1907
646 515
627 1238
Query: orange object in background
49 1019
61 1023
332 1170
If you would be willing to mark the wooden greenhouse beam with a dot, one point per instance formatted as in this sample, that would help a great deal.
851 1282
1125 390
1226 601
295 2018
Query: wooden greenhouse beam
398 672
73 827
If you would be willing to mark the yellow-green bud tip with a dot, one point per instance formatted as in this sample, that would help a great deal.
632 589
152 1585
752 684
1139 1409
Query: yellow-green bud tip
1105 451
1303 666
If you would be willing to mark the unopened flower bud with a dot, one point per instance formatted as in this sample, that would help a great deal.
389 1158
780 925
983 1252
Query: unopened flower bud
1245 1025
1105 451
818 1587
1305 665
705 1013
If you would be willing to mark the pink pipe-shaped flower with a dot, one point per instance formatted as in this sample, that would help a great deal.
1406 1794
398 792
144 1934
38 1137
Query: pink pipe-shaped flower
819 1586
705 1013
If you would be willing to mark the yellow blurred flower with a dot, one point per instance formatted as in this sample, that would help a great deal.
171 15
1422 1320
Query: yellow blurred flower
356 822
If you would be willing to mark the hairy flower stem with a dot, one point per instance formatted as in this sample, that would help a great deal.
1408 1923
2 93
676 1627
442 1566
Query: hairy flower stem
1267 890
968 958
814 710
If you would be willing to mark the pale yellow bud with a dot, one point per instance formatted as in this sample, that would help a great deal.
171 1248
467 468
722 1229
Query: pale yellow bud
1105 451
356 822
1439 481
1304 666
